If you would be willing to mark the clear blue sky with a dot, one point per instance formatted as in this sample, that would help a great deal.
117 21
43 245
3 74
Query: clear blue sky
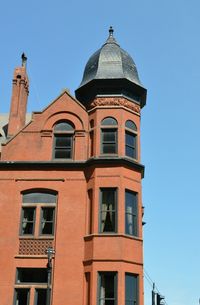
163 38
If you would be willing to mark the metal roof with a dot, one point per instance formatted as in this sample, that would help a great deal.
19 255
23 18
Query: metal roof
110 62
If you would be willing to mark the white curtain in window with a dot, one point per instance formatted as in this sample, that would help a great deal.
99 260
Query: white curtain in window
102 291
103 216
24 224
129 219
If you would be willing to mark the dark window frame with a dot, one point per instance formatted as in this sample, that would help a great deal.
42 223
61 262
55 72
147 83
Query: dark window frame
42 221
105 144
131 131
67 134
133 300
90 211
19 275
22 222
39 200
101 210
16 295
115 286
91 135
133 216
36 295
109 125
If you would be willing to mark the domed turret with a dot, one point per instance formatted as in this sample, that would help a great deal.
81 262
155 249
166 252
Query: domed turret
111 71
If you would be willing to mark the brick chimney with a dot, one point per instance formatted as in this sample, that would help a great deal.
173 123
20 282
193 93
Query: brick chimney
19 98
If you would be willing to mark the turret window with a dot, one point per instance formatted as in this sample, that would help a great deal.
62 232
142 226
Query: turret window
109 136
107 290
108 210
131 139
63 140
131 289
131 213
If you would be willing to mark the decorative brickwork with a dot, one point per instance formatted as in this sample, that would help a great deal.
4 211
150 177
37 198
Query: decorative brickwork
34 246
114 101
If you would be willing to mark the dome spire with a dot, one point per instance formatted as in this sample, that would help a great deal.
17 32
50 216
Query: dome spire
111 38
111 31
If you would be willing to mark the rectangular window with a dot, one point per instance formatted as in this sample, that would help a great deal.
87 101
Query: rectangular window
108 210
107 290
63 146
47 221
28 221
87 279
130 140
109 141
131 218
90 211
40 297
21 296
131 289
31 275
91 143
35 204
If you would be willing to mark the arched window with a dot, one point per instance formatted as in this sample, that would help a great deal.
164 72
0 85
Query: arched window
38 204
109 136
63 140
130 139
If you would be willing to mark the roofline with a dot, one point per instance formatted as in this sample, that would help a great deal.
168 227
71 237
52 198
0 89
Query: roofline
61 94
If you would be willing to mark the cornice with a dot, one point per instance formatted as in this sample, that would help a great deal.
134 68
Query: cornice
70 165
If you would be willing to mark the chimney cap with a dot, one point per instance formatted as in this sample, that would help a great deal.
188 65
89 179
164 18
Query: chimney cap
24 60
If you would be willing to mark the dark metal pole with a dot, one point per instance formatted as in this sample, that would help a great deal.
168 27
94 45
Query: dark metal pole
50 253
153 294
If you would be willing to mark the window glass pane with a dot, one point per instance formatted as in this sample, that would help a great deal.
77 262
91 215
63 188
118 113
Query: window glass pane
108 210
107 288
31 275
63 147
47 214
108 199
109 149
63 154
38 197
63 141
109 121
60 141
63 126
47 221
21 297
131 125
131 225
131 213
109 141
131 292
130 152
41 295
29 214
109 135
130 139
28 220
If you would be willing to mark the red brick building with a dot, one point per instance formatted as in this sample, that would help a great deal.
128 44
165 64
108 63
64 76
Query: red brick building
70 180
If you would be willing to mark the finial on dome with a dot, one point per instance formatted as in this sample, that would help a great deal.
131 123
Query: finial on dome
111 31
24 60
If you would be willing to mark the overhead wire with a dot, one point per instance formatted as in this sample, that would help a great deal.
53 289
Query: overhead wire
151 283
